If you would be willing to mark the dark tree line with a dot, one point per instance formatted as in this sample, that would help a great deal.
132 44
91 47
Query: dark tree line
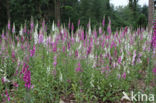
20 11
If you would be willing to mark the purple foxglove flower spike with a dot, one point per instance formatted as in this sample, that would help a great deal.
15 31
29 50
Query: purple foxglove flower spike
32 25
100 30
103 22
134 56
55 61
27 78
109 28
13 29
95 34
154 36
55 47
154 71
3 80
78 69
7 95
72 27
32 52
13 54
76 53
124 75
9 25
119 60
25 29
41 37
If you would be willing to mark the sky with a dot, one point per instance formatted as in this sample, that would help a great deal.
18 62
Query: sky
125 2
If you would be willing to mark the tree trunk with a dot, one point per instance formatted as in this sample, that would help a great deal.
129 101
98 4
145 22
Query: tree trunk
57 10
150 15
130 4
8 9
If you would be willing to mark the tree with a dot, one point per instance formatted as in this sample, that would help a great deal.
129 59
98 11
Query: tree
150 14
8 10
141 21
133 6
57 10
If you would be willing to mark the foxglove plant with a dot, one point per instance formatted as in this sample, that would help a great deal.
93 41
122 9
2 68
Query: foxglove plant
7 95
27 78
78 69
25 29
109 28
31 25
154 36
103 22
13 29
21 31
154 71
101 55
32 52
9 25
124 75
55 61
41 37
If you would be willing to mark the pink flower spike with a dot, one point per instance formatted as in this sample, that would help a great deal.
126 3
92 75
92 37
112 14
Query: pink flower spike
9 25
100 30
109 28
15 84
119 60
40 38
124 75
7 95
78 69
76 53
134 57
103 22
55 61
8 98
13 54
32 86
2 80
154 71
72 27
32 52
63 49
32 25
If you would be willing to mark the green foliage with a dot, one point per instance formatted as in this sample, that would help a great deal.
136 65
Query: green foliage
74 10
141 21
127 15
